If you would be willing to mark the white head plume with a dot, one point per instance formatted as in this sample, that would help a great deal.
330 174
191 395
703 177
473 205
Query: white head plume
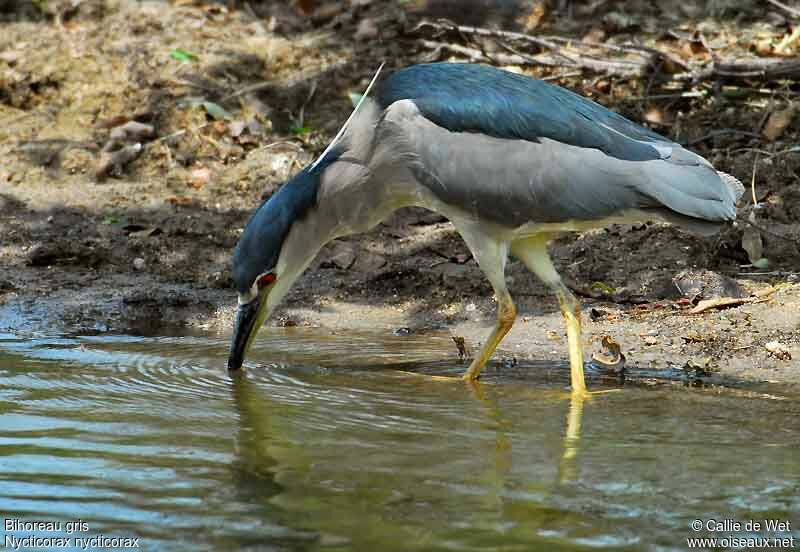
350 118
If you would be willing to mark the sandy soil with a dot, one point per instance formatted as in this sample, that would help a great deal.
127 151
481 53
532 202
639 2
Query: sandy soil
146 245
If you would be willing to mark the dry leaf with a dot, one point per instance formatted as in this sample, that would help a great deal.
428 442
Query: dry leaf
113 122
110 161
787 42
764 46
603 86
778 122
535 17
220 127
656 116
595 34
307 6
132 130
694 50
180 201
752 243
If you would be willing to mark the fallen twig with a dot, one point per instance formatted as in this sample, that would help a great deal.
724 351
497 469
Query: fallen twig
753 68
250 88
771 273
784 7
569 52
557 57
676 95
553 43
177 134
721 302
793 149
498 58
560 76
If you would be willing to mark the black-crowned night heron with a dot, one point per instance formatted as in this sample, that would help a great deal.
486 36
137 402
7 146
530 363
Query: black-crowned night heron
508 159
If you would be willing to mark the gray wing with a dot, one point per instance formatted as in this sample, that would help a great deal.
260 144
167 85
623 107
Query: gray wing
465 97
514 182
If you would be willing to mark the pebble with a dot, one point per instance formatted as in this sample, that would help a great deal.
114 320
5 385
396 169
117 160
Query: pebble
778 350
138 263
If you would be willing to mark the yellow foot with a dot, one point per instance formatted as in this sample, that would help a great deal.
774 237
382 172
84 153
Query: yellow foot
585 394
432 377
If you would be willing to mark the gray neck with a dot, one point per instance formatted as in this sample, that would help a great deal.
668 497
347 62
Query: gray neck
350 201
353 199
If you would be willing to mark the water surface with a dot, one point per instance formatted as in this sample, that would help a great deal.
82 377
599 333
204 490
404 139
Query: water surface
365 442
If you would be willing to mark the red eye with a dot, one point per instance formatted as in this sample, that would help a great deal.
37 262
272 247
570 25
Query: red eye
266 280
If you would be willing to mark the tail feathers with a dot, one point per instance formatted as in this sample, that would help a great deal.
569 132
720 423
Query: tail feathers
733 184
694 191
707 225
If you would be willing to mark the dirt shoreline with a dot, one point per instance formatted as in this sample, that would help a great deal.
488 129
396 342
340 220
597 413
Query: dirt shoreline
149 247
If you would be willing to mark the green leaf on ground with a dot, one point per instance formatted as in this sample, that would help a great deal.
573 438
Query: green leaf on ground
216 111
602 286
182 55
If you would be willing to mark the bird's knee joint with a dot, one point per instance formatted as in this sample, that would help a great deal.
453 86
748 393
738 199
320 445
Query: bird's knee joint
569 304
506 314
573 315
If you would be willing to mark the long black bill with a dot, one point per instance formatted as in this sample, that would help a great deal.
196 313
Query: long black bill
245 325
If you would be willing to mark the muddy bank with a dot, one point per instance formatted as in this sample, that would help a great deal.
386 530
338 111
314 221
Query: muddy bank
233 102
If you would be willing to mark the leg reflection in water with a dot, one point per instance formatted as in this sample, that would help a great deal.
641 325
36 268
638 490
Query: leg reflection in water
568 463
568 468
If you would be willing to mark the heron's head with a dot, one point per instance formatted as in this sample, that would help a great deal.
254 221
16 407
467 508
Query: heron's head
266 263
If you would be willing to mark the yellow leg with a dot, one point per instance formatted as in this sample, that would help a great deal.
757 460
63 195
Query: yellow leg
491 255
533 252
506 313
571 309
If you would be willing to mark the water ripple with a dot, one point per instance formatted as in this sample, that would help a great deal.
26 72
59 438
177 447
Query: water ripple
339 441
